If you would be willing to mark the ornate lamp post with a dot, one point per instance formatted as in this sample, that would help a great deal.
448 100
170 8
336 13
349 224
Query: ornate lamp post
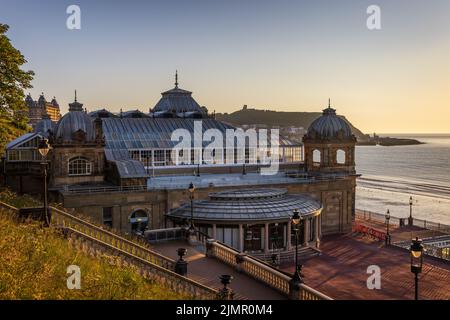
191 190
297 278
191 232
44 149
410 219
388 236
416 263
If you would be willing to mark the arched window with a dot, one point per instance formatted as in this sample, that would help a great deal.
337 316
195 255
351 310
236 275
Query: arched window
340 156
79 166
316 156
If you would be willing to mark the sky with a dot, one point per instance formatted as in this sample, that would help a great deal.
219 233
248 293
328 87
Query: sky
281 55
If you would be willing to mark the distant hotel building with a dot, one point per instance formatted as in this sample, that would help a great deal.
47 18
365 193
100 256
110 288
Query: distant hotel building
37 109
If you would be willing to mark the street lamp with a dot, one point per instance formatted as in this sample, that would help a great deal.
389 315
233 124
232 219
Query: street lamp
388 236
416 263
44 149
297 278
410 219
191 190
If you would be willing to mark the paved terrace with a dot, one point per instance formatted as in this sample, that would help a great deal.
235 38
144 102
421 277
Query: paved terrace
220 180
207 271
340 271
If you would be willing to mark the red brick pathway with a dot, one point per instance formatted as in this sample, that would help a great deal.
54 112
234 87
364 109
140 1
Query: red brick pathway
207 271
341 271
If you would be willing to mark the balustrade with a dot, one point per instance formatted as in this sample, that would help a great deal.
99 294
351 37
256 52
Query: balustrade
261 271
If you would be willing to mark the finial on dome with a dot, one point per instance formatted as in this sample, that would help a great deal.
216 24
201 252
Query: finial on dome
329 103
176 78
75 95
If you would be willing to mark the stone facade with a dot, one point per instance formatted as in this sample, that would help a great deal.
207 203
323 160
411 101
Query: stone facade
337 197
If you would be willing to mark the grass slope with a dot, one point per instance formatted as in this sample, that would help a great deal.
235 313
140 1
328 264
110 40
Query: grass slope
34 261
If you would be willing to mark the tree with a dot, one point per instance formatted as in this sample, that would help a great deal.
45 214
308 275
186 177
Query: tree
13 81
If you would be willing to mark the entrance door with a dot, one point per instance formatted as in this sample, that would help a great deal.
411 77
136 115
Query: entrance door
253 240
139 222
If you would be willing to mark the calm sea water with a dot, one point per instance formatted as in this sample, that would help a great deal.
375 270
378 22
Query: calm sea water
390 175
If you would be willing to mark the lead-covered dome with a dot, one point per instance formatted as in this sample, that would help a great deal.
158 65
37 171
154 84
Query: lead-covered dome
177 103
272 204
44 126
75 125
329 126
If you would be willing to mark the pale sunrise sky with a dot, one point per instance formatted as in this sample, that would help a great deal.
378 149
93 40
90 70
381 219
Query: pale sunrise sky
280 55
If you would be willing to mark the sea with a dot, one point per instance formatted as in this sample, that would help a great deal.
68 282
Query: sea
390 175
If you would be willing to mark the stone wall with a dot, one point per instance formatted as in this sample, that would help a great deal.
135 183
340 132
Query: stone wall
60 165
336 196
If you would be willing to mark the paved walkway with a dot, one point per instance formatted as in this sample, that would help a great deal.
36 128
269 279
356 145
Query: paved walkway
399 234
207 271
341 271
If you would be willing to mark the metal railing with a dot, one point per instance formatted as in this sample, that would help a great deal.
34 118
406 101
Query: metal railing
379 217
163 234
438 247
104 189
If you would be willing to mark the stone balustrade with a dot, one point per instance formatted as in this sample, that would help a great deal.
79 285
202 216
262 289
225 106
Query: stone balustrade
150 264
147 269
262 271
63 219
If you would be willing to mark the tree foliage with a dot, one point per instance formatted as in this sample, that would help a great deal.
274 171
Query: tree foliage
13 82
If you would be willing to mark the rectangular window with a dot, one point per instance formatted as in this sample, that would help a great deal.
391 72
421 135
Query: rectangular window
146 157
13 155
312 228
108 216
135 155
160 159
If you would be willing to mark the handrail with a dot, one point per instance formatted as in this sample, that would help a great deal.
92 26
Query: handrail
429 225
160 264
8 207
189 286
90 189
261 271
64 219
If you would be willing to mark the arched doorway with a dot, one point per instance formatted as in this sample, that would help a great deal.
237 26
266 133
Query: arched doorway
139 221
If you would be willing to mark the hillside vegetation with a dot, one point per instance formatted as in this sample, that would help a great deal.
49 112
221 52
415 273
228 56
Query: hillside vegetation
8 132
270 118
34 261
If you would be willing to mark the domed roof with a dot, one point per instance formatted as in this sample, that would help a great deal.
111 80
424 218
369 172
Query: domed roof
41 100
29 100
54 102
44 126
75 121
329 126
177 101
249 205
